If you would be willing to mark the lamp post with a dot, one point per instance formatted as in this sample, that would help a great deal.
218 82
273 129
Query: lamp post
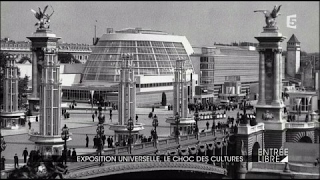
130 128
65 137
2 148
101 118
196 118
244 118
100 132
155 124
297 101
309 107
213 122
92 92
177 120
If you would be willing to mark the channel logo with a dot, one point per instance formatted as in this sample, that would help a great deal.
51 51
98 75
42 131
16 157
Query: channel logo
292 21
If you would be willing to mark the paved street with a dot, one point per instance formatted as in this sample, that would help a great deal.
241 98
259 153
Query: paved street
80 124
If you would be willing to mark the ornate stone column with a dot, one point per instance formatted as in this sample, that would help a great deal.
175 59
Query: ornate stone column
276 79
261 77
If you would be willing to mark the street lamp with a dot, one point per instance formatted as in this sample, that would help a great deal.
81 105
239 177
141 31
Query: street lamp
244 116
100 132
297 101
177 120
130 128
196 118
101 118
213 128
65 137
155 124
92 92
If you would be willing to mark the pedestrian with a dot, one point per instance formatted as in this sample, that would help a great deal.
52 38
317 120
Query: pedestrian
25 155
3 164
137 117
69 153
37 119
108 141
87 140
95 142
111 142
111 115
152 108
16 161
96 112
103 139
29 123
207 125
74 154
92 117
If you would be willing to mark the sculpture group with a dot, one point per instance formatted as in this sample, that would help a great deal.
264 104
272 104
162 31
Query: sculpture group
271 16
43 18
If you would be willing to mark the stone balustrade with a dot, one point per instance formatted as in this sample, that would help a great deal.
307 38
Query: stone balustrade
298 125
247 129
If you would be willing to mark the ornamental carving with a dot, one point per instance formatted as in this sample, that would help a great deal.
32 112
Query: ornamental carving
267 116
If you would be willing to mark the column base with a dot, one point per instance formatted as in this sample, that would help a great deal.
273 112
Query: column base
276 103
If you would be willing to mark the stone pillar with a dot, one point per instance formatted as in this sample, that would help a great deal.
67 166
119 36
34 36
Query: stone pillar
10 95
34 73
180 90
276 78
261 77
126 102
127 91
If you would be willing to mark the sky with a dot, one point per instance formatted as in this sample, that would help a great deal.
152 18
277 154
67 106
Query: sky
202 22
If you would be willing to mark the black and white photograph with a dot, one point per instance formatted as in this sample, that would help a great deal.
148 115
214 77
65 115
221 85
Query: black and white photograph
160 90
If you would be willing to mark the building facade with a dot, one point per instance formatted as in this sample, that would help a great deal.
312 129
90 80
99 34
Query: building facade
22 49
236 65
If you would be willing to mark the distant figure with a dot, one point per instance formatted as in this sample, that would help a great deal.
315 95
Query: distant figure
16 161
92 117
25 155
69 153
108 141
137 117
29 123
103 139
37 119
3 164
111 115
87 140
96 112
152 108
207 124
74 154
316 162
111 142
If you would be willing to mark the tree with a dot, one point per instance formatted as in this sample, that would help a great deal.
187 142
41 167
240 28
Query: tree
23 89
164 99
23 59
67 58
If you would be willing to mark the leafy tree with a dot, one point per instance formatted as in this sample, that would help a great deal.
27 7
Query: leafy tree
23 89
24 58
67 58
164 99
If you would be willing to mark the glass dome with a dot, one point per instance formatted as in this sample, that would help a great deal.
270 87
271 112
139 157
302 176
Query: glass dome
153 54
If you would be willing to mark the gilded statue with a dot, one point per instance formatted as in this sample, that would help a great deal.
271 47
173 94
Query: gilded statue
271 16
43 18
